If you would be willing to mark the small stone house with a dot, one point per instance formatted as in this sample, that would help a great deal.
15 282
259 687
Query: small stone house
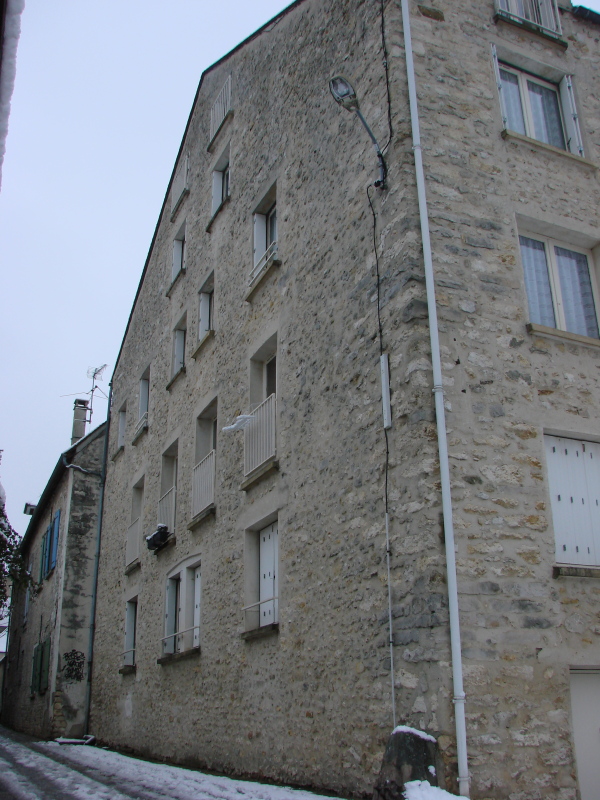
294 557
46 688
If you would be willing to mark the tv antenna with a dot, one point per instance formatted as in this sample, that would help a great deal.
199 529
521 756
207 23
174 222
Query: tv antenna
95 373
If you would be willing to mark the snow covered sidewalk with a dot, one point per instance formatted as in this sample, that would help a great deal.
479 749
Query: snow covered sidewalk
34 770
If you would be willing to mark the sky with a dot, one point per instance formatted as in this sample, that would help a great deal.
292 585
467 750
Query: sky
101 99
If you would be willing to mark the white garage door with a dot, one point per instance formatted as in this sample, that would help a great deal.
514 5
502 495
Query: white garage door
585 706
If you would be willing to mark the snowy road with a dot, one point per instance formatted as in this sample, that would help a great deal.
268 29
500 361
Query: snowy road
34 770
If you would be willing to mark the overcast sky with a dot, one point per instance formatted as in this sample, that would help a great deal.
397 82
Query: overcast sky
102 96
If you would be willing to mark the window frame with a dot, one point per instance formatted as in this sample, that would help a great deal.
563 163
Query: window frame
179 253
257 580
523 77
183 608
554 279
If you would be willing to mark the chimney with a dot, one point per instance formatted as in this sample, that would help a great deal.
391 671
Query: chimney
80 410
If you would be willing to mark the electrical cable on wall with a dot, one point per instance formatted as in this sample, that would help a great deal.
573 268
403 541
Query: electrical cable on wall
387 79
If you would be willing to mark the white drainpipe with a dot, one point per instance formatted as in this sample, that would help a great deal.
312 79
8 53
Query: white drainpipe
459 695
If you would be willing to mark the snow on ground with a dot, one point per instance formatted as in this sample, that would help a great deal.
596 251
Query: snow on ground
421 790
175 783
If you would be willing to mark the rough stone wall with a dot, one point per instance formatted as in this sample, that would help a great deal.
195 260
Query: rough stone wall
59 609
311 704
23 710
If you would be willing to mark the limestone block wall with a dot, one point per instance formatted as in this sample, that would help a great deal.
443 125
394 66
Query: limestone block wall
311 703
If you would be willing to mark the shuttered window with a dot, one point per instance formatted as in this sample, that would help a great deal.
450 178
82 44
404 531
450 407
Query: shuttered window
40 670
268 583
53 549
574 485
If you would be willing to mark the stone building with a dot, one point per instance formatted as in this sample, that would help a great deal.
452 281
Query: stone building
243 610
46 687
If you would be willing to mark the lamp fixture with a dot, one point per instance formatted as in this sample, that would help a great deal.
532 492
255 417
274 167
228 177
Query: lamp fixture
345 96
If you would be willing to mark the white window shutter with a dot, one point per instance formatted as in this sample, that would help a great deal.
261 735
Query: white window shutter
171 616
130 622
177 258
571 118
204 315
260 237
499 85
268 579
179 350
197 600
217 191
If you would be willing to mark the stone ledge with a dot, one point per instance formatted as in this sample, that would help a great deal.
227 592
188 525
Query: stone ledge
117 452
563 571
171 658
227 117
175 281
140 433
127 669
261 633
259 473
175 378
566 336
519 137
525 24
200 346
199 518
136 564
222 204
271 264
182 197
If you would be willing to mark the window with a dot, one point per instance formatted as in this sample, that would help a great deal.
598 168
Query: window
132 545
574 487
220 109
49 552
131 608
40 668
265 234
122 427
168 487
262 585
206 307
538 108
180 189
542 14
560 285
178 260
203 477
259 435
183 607
179 335
220 181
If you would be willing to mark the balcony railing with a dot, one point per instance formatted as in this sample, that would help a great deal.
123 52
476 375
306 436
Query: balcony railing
141 426
129 658
203 484
132 544
543 14
166 509
254 616
269 255
259 435
181 641
221 107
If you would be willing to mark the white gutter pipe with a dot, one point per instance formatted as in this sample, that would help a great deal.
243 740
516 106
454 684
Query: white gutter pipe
459 695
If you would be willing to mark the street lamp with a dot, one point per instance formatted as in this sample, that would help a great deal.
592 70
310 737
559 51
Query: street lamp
344 94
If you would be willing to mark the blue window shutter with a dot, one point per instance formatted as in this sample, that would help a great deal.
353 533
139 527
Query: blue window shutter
43 557
54 548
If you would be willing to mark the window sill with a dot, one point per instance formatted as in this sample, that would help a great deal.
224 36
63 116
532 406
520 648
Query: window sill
137 564
227 117
519 137
530 26
261 633
564 336
208 335
217 212
171 658
117 453
175 378
138 434
179 203
175 281
259 473
273 262
199 518
564 571
128 669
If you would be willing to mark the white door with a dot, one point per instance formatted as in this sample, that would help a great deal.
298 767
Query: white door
585 712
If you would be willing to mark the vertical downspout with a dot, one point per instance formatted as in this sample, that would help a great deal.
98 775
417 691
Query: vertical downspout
88 697
459 695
